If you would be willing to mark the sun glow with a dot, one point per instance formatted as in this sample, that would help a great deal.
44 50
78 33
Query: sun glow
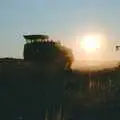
89 47
90 43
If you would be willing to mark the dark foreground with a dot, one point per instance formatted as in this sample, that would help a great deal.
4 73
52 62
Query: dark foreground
32 94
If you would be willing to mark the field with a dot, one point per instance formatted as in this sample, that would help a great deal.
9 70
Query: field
30 91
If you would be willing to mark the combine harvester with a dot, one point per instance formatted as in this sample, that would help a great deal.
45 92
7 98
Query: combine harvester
40 49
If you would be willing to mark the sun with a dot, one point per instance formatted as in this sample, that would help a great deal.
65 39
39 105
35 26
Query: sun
90 46
90 43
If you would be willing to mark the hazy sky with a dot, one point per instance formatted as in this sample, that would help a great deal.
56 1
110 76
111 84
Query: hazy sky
61 19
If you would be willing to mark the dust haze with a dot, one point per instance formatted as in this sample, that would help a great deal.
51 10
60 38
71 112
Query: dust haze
85 65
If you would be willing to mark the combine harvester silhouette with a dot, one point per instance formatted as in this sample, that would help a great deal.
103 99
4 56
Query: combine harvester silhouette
39 48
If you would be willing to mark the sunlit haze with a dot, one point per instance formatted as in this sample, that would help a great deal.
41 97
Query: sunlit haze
90 45
93 47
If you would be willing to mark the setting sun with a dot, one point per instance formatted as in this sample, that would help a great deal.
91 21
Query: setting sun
90 43
90 46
